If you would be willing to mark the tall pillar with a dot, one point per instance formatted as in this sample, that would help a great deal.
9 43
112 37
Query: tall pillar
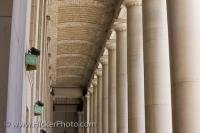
104 62
16 93
121 75
112 107
136 104
51 112
184 29
98 72
94 83
156 67
91 107
87 96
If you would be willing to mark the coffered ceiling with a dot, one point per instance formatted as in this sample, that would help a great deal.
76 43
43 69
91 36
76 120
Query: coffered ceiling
78 31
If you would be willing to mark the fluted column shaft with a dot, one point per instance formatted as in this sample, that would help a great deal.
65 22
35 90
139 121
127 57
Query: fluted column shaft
104 62
157 67
184 29
112 107
121 75
99 100
136 104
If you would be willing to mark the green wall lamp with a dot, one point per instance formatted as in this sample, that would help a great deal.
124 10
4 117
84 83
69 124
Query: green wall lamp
38 108
31 59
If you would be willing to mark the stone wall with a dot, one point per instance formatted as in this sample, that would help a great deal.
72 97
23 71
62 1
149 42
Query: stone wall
5 31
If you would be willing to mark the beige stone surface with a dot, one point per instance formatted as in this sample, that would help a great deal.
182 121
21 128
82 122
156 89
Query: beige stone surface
91 91
16 100
184 31
157 67
136 104
98 72
112 99
94 83
76 31
121 78
87 114
104 62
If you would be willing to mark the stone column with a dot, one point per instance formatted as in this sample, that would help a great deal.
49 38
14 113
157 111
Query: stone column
94 83
121 75
157 67
51 112
16 94
136 104
87 111
98 72
112 107
184 29
104 62
91 107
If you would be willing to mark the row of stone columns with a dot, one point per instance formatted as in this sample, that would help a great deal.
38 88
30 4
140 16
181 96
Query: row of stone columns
147 75
93 106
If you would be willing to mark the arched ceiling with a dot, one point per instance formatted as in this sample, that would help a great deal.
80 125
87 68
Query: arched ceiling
78 31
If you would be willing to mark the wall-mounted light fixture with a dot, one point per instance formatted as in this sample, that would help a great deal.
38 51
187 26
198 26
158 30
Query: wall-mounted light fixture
31 59
38 108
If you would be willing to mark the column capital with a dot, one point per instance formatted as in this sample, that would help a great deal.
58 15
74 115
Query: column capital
90 89
94 82
104 60
87 96
111 44
119 26
98 72
129 3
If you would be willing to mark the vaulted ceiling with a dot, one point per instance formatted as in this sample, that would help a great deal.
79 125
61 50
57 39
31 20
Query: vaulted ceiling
78 30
